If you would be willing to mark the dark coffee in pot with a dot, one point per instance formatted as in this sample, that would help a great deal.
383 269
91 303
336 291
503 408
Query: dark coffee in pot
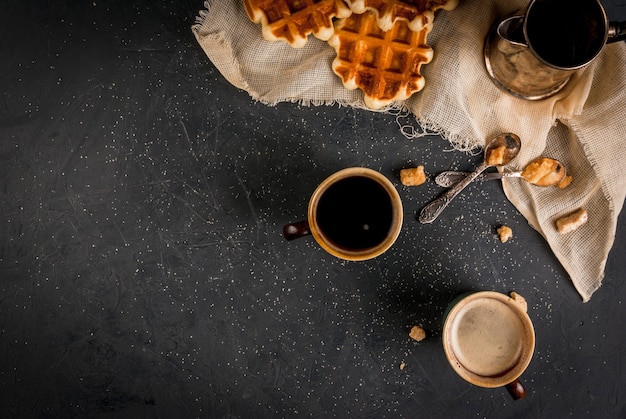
565 33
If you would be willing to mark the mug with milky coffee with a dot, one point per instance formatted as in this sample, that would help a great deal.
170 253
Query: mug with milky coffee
354 214
489 340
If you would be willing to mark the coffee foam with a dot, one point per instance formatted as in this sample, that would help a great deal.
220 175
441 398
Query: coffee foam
487 337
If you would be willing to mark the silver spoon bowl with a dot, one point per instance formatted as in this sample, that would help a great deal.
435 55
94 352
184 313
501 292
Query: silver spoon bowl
499 151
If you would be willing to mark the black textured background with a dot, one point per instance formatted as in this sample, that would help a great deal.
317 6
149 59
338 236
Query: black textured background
143 272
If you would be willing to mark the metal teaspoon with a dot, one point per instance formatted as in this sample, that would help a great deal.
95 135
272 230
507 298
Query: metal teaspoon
499 151
543 171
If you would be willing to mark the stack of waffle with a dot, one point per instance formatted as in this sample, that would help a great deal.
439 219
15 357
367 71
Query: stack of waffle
380 44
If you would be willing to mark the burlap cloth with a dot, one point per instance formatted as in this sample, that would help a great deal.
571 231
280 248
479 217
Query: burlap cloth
584 126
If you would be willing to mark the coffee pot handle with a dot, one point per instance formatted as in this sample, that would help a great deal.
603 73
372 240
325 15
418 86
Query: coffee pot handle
516 390
617 32
296 230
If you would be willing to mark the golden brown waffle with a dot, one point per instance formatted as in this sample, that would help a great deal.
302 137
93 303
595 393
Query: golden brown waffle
384 65
418 13
293 20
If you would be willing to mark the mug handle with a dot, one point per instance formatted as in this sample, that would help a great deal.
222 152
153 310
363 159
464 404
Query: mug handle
296 230
516 390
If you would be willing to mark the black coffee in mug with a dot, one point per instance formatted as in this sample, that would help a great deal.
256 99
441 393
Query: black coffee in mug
355 213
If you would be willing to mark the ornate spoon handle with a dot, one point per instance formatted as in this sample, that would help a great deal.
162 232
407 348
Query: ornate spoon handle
431 211
449 178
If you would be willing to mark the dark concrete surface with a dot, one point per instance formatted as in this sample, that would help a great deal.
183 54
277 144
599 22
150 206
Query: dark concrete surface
143 272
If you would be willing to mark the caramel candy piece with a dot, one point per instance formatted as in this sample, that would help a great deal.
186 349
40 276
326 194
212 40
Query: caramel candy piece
519 300
414 176
543 172
505 233
495 157
565 182
417 334
572 221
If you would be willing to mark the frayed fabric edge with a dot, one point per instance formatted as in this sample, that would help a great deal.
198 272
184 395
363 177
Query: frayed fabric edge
425 127
614 210
210 42
202 16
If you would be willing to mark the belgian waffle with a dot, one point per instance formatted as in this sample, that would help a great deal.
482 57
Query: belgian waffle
418 13
385 65
293 20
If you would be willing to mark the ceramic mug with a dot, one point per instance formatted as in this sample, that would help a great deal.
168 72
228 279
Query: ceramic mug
354 214
489 340
534 53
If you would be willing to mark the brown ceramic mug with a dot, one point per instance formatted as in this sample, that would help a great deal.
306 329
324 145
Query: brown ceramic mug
489 340
354 214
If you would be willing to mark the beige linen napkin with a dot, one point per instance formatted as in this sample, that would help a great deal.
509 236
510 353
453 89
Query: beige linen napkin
584 126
